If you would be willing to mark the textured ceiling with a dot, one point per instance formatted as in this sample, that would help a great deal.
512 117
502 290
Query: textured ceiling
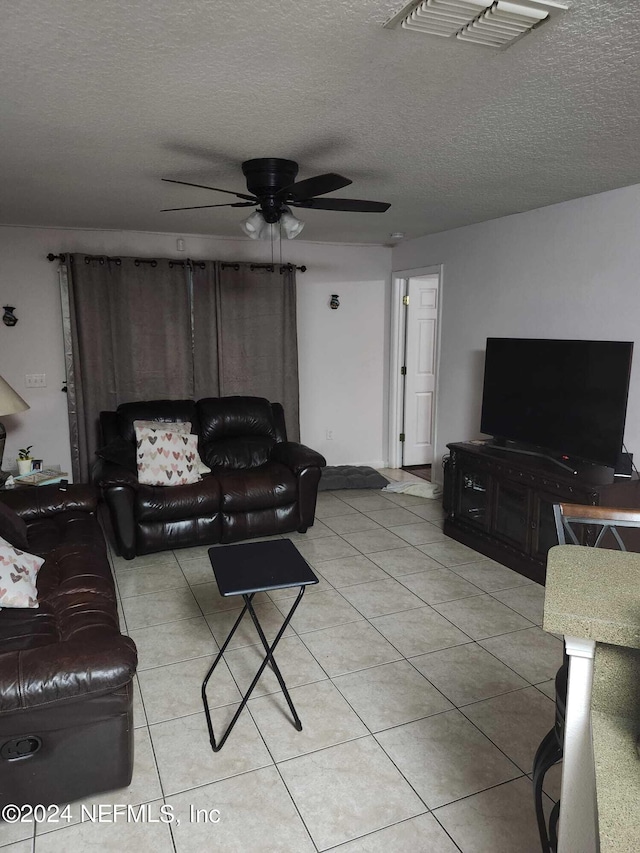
99 99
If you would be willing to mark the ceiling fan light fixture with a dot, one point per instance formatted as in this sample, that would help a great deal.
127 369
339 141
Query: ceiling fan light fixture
290 226
252 225
256 227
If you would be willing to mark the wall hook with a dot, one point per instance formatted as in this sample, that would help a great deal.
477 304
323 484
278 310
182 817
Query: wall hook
8 317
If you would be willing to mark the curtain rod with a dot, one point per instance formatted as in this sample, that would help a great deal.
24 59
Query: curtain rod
235 265
137 261
172 263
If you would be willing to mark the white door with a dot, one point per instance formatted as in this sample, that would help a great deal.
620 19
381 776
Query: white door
420 363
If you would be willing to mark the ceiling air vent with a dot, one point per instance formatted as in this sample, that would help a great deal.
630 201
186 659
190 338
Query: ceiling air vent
491 24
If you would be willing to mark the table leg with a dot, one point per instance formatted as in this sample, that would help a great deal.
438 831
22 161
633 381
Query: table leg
211 670
270 659
217 746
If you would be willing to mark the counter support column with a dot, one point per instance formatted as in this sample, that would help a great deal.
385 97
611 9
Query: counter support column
578 809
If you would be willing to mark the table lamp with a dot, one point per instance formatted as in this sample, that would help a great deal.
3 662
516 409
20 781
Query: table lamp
10 403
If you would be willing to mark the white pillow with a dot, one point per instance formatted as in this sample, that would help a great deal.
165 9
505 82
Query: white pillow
166 457
177 426
18 573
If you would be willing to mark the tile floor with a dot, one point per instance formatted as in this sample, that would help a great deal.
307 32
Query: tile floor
417 666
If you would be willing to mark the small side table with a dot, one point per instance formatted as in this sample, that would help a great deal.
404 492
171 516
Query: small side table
245 570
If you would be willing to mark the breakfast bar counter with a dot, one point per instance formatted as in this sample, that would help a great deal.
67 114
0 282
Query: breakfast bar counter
593 598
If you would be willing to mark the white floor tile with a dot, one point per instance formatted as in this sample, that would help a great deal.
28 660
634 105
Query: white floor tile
186 760
348 790
445 757
390 695
326 717
255 814
405 627
422 834
500 820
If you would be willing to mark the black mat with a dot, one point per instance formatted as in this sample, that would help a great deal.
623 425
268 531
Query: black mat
350 477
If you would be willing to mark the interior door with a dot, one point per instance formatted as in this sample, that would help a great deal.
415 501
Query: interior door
420 363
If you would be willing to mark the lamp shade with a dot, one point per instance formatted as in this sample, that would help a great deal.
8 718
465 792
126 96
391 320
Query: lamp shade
256 227
253 225
290 226
10 402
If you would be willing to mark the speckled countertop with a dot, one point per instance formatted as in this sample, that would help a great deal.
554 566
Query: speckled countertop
615 721
595 594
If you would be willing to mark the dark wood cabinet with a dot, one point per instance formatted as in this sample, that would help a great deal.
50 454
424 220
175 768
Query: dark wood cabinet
501 504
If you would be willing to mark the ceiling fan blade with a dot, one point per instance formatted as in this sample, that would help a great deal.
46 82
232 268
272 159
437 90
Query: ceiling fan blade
352 205
319 185
203 187
202 206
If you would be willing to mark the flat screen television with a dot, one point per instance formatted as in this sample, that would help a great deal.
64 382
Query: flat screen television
568 398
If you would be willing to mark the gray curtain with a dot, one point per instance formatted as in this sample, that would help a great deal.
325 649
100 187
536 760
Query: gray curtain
206 366
245 334
130 339
137 329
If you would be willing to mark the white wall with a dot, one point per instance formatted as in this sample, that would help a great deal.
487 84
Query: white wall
342 354
570 270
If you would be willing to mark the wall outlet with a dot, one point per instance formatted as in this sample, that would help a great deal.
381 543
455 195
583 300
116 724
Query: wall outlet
35 380
329 435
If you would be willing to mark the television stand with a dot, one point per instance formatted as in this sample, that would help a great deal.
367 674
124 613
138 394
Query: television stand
538 454
501 504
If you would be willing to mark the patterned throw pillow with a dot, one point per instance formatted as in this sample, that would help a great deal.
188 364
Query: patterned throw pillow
177 426
18 573
166 457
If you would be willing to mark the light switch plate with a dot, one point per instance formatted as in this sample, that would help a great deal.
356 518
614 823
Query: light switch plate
35 380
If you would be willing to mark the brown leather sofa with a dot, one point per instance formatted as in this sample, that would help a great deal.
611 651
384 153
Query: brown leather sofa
260 483
66 720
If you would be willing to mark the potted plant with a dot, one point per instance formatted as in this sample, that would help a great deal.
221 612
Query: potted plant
24 460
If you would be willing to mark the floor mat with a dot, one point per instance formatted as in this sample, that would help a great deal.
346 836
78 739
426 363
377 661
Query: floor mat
351 477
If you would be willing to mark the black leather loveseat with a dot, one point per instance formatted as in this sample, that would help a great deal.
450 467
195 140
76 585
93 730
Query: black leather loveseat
260 484
66 719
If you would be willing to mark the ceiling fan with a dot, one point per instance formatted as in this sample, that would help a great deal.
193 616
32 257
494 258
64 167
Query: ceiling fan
273 190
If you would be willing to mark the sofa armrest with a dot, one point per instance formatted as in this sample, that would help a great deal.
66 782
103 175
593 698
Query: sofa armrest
109 474
34 502
297 457
65 671
120 491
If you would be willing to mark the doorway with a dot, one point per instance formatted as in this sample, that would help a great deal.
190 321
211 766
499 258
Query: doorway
414 368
